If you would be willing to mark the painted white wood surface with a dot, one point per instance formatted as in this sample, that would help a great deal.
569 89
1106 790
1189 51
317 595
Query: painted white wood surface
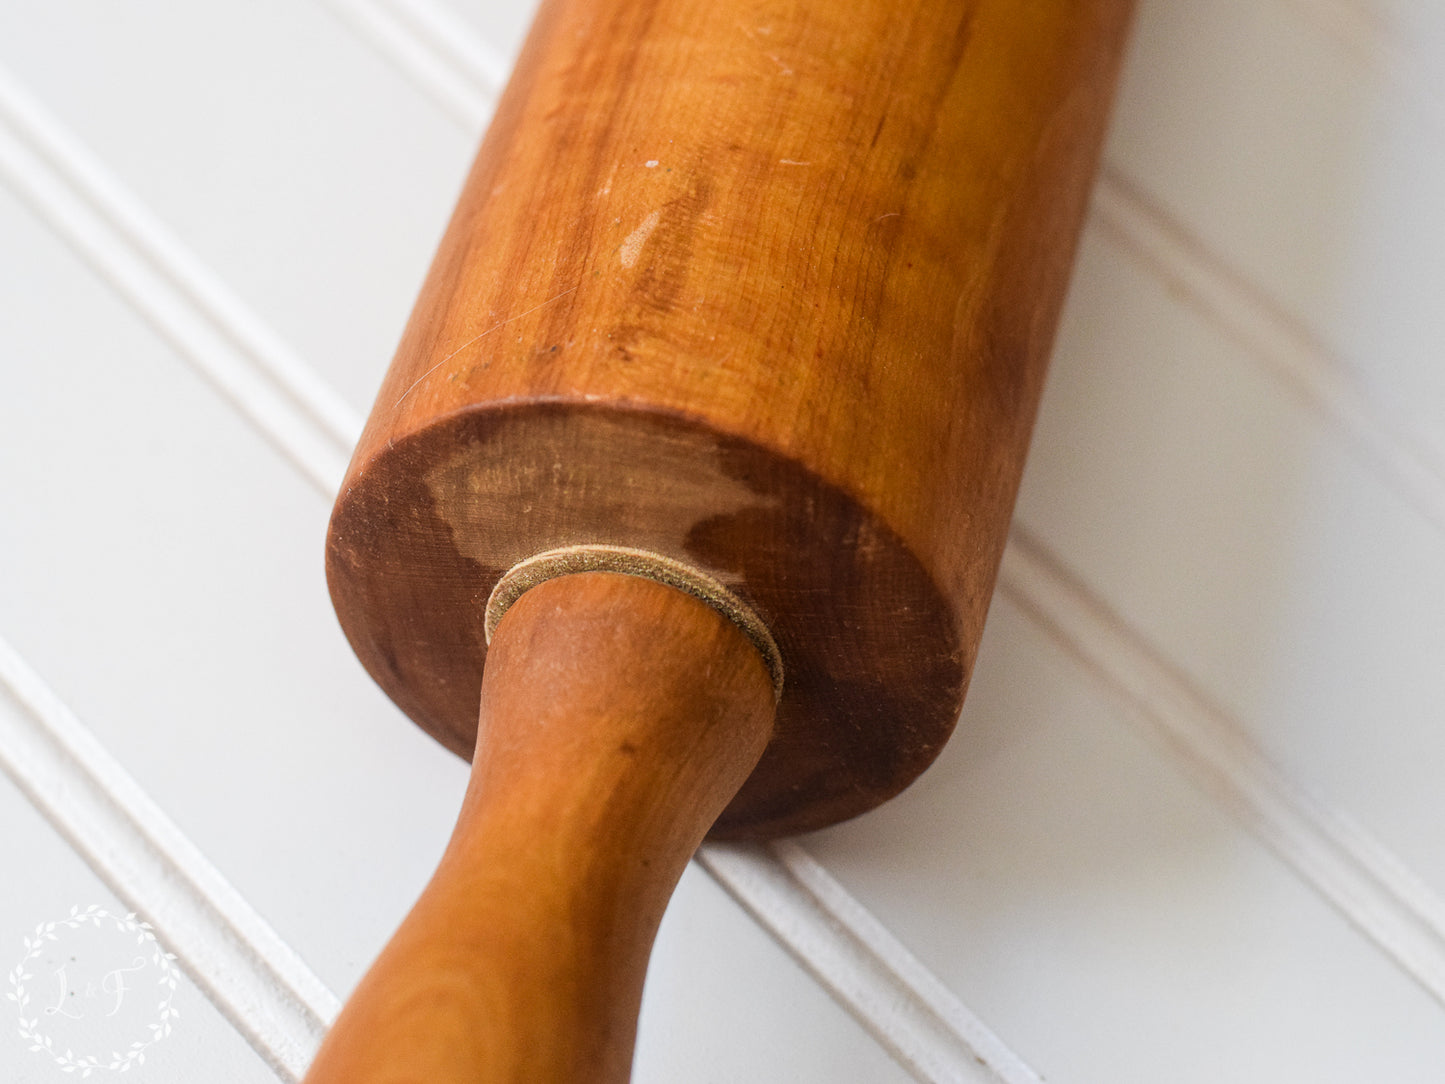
1190 828
43 880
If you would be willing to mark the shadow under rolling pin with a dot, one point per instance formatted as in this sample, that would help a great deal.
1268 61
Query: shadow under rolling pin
694 469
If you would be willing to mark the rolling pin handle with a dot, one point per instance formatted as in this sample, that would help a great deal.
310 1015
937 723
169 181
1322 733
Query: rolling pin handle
619 716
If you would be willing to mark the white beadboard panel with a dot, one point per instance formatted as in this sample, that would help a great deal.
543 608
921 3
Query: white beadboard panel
1111 924
84 204
1342 861
253 977
166 581
309 172
1400 459
1241 536
434 48
502 26
1294 139
43 880
862 965
724 1004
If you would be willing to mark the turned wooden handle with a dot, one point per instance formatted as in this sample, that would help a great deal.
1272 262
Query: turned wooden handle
618 717
752 298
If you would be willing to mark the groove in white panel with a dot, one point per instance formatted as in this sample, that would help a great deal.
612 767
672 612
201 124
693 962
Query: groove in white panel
1245 313
242 965
444 33
433 49
853 956
1368 884
173 290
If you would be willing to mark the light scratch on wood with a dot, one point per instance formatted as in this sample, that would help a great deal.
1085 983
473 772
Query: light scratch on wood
475 339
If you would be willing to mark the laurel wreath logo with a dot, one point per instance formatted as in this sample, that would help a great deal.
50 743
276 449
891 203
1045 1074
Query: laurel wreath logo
119 1061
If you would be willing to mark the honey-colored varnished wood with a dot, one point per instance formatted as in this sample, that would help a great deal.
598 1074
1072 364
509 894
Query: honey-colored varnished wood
618 717
765 287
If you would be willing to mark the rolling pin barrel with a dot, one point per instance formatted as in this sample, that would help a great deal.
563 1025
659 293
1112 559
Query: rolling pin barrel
694 469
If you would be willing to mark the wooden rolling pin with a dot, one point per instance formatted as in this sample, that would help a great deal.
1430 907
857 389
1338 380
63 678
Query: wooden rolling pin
694 469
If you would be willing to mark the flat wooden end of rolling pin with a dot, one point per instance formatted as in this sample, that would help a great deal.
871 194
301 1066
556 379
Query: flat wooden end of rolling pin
618 717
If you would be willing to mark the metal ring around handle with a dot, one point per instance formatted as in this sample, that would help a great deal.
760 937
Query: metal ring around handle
550 564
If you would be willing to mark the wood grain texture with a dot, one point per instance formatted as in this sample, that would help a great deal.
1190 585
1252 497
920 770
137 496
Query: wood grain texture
763 287
618 717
